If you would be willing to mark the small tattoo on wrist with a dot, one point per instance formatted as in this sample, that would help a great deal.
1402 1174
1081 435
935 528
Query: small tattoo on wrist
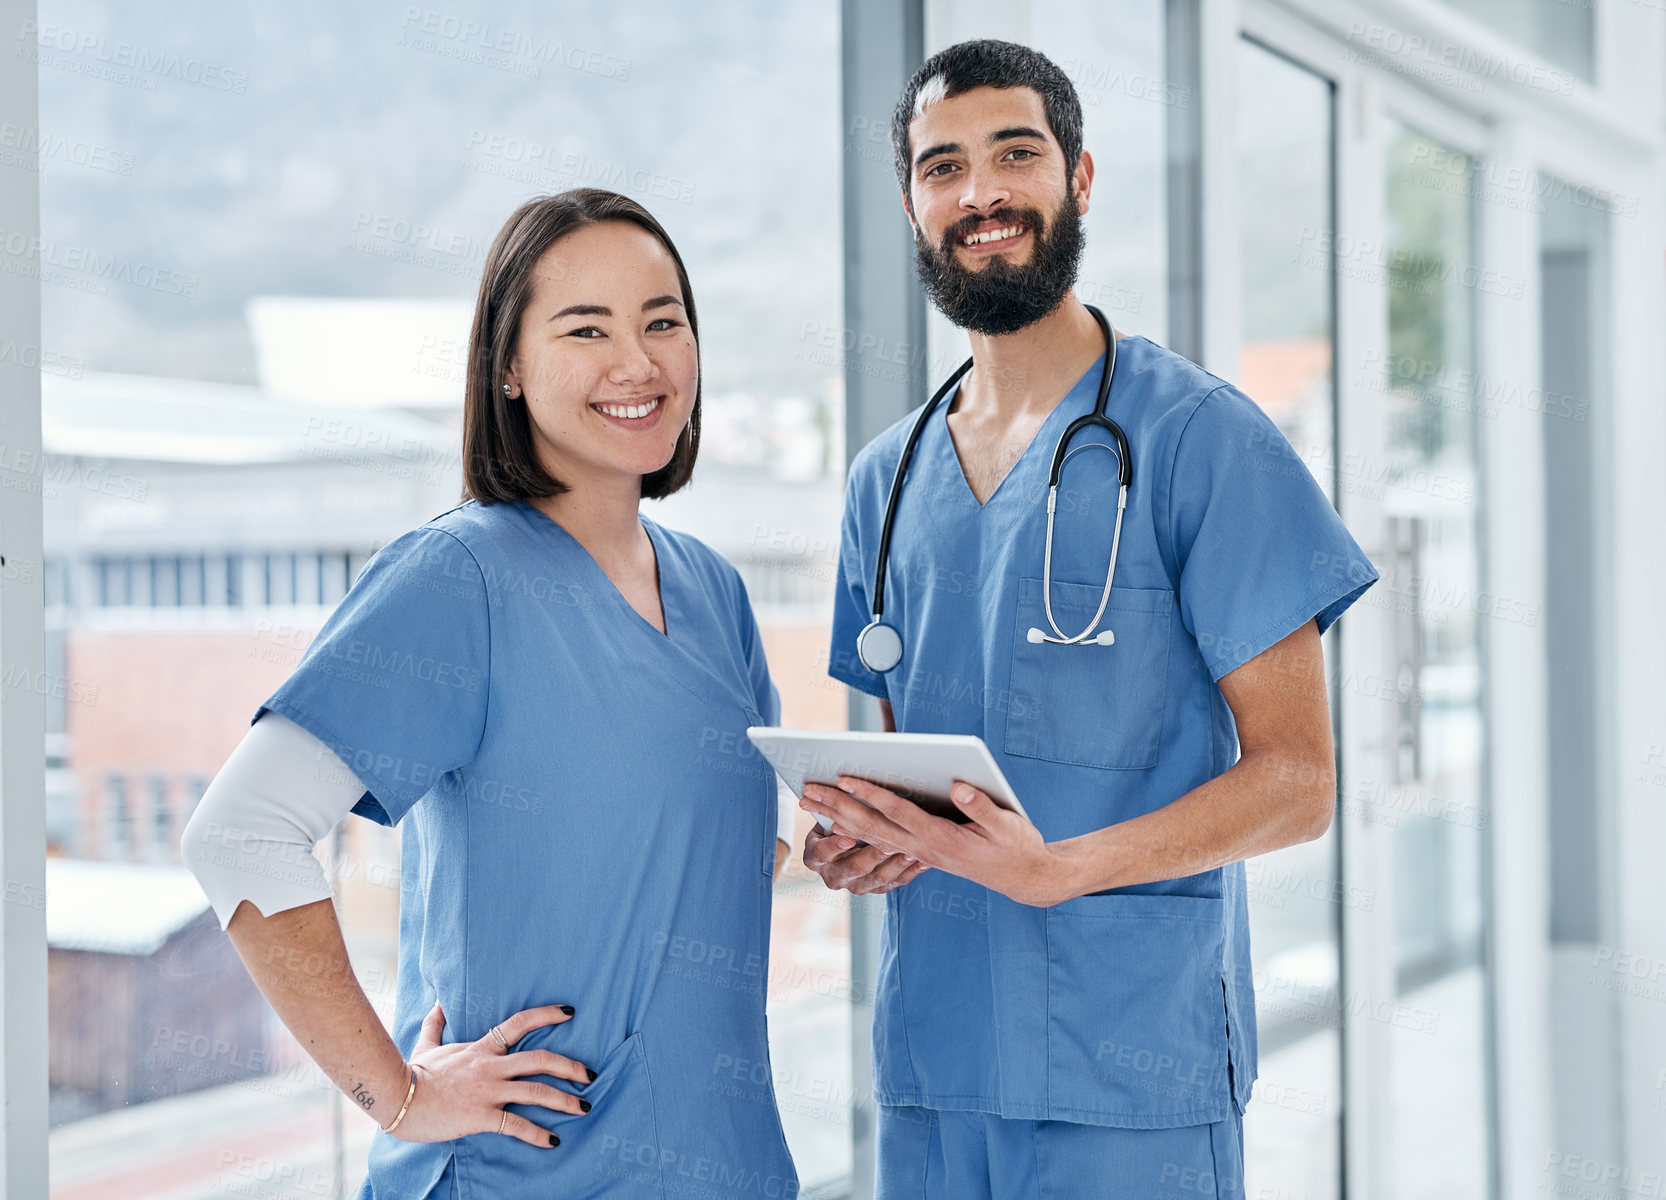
365 1099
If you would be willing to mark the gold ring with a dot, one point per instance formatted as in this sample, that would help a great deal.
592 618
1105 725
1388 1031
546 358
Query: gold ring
503 1120
499 1038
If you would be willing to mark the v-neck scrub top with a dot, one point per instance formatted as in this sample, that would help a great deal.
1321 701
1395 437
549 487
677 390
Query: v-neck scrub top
1132 1007
583 822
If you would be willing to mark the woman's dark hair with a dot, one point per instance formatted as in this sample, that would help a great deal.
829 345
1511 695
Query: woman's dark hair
500 458
987 63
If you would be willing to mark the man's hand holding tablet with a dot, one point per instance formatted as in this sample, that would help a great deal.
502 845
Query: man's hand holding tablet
893 833
993 846
919 767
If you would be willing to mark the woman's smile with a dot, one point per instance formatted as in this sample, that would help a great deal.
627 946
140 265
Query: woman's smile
636 412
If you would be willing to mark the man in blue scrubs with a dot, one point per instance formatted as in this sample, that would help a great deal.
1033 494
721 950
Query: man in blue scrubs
1065 1009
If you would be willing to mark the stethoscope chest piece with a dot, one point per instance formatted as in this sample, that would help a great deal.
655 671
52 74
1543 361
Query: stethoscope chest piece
879 646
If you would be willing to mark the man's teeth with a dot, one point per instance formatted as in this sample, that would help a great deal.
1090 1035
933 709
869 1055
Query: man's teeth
993 235
629 410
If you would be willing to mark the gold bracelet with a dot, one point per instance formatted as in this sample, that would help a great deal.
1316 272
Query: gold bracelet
410 1094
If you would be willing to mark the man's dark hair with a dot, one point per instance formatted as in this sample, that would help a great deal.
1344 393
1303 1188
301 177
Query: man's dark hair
500 458
988 63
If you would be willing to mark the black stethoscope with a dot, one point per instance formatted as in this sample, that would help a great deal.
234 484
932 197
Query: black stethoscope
879 645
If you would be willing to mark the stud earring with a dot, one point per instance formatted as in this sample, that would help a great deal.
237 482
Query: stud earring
507 390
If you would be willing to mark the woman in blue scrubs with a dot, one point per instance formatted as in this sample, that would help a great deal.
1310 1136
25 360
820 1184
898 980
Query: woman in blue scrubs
546 691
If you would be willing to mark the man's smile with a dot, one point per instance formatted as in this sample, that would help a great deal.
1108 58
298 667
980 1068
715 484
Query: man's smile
996 237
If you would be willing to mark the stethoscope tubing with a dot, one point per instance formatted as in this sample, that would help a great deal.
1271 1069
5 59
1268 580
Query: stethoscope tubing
1061 454
1062 639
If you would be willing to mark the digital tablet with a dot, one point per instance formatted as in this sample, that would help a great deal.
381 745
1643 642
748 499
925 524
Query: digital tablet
921 767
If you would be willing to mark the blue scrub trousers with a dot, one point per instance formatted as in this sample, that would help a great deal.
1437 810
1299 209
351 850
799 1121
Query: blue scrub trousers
936 1154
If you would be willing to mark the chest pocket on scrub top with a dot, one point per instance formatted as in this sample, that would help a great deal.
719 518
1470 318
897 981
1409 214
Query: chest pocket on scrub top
1091 706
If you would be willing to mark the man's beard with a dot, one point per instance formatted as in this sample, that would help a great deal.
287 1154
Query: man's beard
1002 298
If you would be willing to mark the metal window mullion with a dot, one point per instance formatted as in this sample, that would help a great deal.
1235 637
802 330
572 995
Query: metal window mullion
881 43
23 1008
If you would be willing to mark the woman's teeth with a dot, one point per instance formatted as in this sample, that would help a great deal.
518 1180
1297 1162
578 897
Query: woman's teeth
629 411
993 235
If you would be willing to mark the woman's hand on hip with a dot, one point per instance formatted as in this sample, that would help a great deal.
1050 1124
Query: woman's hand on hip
461 1088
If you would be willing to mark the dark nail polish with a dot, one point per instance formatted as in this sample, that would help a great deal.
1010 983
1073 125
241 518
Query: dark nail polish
590 1073
568 1009
554 1141
584 1106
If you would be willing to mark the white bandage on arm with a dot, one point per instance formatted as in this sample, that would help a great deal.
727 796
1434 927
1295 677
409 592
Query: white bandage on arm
252 835
786 809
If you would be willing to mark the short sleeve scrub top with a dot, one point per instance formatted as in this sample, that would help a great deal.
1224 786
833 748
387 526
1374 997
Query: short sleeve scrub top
583 822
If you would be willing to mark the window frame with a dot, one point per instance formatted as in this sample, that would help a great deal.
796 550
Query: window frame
23 1009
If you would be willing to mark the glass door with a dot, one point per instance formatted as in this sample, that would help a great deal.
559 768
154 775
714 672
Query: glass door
1359 294
1433 802
1285 164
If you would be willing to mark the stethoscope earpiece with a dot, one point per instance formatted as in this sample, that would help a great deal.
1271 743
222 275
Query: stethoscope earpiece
879 646
1103 638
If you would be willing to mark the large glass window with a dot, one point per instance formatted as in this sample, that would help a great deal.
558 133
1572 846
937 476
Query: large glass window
1284 164
263 233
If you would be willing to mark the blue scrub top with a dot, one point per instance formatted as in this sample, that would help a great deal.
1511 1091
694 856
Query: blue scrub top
1125 1007
583 822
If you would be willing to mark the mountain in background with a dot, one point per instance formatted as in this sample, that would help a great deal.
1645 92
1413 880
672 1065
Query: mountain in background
196 155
